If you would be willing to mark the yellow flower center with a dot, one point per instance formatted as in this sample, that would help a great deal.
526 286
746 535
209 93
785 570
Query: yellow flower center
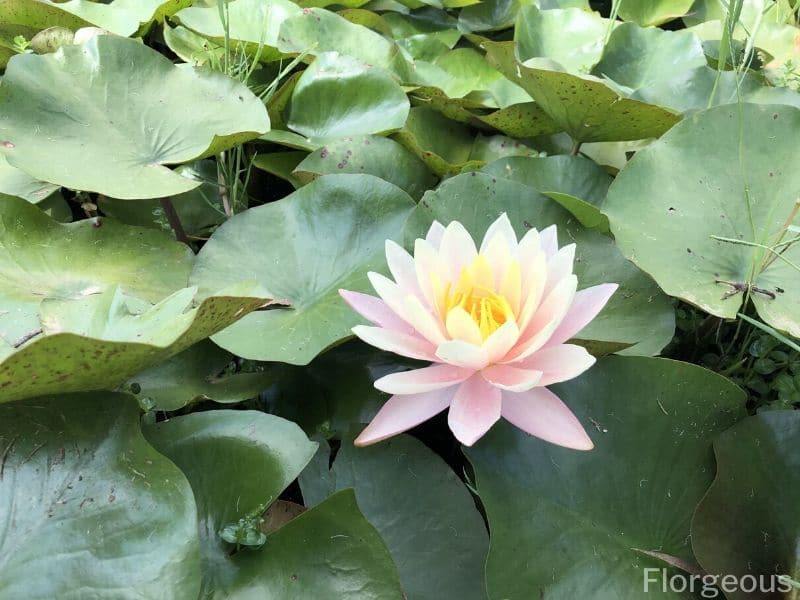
474 293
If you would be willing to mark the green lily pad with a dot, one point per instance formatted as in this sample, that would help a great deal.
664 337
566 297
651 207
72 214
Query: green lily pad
281 164
14 182
571 37
97 342
639 58
256 23
584 107
345 220
747 524
739 182
523 120
316 30
238 462
339 96
195 374
653 12
443 145
598 514
177 114
41 258
372 155
577 184
433 530
193 48
86 500
123 17
638 313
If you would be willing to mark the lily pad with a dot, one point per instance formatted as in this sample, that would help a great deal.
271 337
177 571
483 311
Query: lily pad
256 23
41 258
99 341
739 183
346 220
749 506
372 155
433 530
638 314
584 107
109 140
86 500
339 96
653 12
238 462
639 58
14 182
195 374
571 37
443 145
652 421
123 17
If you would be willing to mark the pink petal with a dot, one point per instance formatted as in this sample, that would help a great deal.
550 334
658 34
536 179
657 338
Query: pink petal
558 363
408 307
401 264
457 249
559 266
542 414
462 354
393 341
511 378
428 265
426 379
549 240
434 235
474 409
501 341
401 413
585 307
376 311
501 227
498 256
534 279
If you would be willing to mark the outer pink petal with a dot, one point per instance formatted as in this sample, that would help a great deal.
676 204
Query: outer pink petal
502 227
558 363
549 240
585 307
428 265
399 343
559 266
462 354
434 235
376 311
501 341
422 380
511 378
542 414
401 413
401 264
474 409
408 307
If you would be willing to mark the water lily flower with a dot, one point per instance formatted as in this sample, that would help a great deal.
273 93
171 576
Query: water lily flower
493 321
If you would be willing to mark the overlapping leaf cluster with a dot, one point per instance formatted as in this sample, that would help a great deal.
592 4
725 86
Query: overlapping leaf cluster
186 185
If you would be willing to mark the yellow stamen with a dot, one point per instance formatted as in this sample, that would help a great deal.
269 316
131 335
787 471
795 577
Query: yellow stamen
472 292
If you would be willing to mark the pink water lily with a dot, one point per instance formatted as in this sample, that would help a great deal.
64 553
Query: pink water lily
493 321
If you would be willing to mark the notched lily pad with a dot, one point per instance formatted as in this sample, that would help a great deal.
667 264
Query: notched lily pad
88 131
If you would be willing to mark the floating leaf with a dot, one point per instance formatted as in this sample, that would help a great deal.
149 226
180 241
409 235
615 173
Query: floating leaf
372 155
87 501
586 108
338 96
596 512
433 530
753 503
323 237
739 183
238 462
110 140
14 182
653 12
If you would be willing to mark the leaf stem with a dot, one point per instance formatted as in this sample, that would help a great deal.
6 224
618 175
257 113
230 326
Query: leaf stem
174 220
